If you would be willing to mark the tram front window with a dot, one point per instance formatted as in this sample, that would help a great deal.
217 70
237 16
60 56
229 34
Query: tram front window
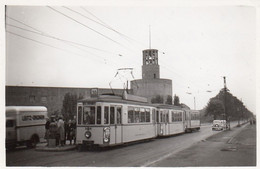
112 115
106 115
98 114
79 114
89 115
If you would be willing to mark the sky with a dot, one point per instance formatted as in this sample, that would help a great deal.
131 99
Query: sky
84 46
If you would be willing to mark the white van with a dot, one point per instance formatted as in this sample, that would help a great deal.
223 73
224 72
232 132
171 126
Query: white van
25 125
219 125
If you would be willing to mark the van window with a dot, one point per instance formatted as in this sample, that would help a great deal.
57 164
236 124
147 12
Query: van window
10 123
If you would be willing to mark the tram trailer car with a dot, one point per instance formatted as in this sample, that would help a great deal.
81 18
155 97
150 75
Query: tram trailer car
25 125
192 120
172 120
110 120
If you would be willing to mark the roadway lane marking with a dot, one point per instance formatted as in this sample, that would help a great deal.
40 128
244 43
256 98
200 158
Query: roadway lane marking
164 157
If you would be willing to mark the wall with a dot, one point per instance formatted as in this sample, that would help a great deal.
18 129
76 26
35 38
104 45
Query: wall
149 88
51 97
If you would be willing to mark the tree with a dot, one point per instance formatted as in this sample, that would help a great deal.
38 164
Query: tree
215 108
176 101
69 107
169 100
235 109
157 99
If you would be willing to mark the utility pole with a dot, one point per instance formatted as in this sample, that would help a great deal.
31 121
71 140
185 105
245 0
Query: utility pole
225 107
194 103
149 36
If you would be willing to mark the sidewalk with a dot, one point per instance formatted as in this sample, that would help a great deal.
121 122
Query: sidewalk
236 147
44 147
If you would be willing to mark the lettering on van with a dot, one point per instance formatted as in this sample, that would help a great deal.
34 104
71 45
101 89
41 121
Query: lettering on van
32 117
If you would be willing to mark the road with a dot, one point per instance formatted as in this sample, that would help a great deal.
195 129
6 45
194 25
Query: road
134 155
232 148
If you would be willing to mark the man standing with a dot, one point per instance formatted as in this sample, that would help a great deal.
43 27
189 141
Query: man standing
61 131
47 130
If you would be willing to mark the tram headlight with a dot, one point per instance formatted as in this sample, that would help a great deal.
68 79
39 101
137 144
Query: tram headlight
87 134
106 134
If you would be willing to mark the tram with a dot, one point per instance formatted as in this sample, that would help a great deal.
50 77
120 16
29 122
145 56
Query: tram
108 120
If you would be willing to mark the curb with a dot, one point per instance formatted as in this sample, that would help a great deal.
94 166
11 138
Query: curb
55 149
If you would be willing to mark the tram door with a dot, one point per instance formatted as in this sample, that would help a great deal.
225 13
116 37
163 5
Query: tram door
158 122
164 126
183 120
166 114
187 119
118 126
154 118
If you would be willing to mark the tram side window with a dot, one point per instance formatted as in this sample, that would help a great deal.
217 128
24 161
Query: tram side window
153 116
130 114
142 112
195 116
98 114
161 116
137 115
167 117
106 115
118 115
176 116
89 115
79 114
192 116
180 116
147 115
112 115
157 116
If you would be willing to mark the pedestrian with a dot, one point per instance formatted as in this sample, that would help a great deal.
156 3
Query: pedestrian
47 130
61 131
70 131
74 131
65 131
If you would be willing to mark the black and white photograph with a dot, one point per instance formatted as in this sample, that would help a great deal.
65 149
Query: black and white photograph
129 84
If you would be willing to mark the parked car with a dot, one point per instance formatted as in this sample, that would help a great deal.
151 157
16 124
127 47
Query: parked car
219 125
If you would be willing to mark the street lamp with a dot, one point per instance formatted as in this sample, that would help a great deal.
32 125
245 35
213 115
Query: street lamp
194 100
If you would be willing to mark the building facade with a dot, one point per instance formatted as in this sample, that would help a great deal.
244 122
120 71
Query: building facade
50 97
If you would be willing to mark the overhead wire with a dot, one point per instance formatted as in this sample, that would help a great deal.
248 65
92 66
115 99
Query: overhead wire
86 26
59 39
42 43
107 26
22 23
46 44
